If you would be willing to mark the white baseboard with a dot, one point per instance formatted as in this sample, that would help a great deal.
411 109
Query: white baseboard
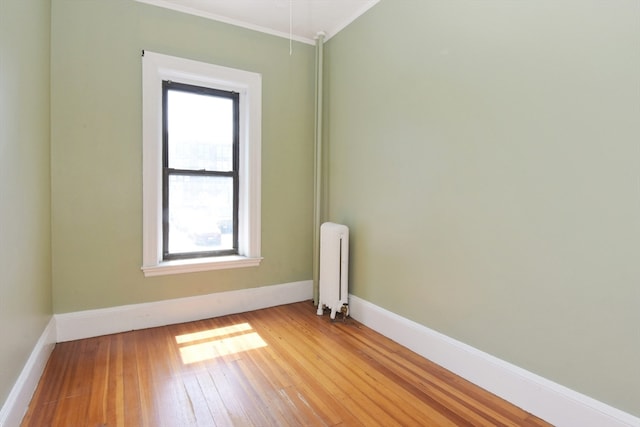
550 401
93 323
18 400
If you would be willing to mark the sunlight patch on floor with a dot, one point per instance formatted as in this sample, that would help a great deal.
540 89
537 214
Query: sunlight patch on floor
218 342
212 333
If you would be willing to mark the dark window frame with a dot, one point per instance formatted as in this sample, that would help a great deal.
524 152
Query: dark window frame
168 85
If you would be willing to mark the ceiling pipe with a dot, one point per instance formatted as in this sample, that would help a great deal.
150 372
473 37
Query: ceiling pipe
317 167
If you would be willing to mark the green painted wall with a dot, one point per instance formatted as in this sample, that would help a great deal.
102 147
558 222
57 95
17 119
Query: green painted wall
25 245
486 156
97 150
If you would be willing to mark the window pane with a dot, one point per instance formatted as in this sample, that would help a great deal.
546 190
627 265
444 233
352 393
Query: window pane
200 213
200 131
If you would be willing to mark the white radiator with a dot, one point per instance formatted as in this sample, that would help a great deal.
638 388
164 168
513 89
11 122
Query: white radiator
334 269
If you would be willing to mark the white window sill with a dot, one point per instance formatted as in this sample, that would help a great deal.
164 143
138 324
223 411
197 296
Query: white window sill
199 264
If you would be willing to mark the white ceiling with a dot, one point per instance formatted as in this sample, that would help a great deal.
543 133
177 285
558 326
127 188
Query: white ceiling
301 20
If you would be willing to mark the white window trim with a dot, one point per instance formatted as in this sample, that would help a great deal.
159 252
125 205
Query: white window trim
156 68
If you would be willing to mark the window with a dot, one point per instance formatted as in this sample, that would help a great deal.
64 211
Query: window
201 166
200 171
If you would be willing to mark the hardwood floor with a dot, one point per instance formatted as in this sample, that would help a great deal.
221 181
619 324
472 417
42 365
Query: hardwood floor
282 366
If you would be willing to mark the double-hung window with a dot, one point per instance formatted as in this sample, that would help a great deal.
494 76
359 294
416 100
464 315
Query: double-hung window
201 166
200 171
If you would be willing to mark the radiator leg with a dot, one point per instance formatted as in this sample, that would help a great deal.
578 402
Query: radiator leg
333 313
345 312
320 311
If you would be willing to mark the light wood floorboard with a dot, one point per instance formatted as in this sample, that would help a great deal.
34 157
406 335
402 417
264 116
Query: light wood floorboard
282 366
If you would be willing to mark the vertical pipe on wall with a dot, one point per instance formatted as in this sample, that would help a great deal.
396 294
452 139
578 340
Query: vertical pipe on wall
317 206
